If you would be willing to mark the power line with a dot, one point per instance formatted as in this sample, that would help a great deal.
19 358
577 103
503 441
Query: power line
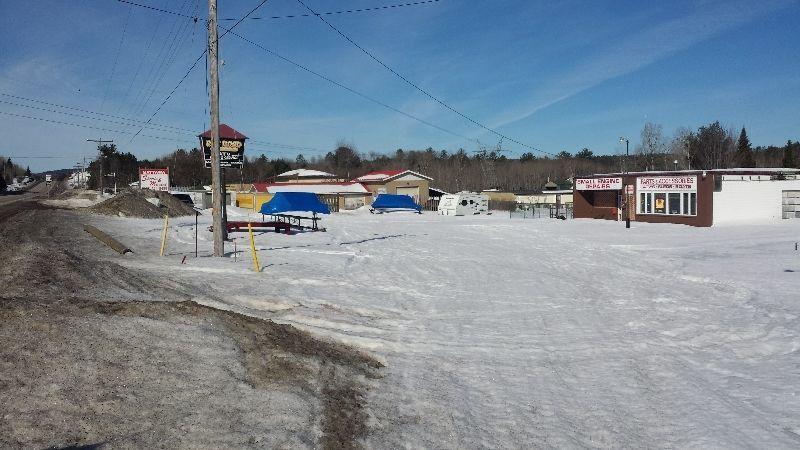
349 89
153 125
291 16
417 87
158 9
194 65
319 75
116 58
347 11
87 111
157 70
164 138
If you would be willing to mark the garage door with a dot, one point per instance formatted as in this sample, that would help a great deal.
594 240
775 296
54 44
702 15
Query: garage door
791 204
412 192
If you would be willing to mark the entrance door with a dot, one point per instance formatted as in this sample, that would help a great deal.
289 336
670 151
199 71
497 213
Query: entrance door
791 204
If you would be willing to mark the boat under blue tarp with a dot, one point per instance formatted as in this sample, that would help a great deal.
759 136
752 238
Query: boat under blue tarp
392 202
284 202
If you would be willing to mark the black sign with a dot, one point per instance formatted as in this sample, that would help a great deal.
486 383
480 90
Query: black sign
231 152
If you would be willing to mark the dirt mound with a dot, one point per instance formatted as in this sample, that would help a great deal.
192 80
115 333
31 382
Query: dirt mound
134 203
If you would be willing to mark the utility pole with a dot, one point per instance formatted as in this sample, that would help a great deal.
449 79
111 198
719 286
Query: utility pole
216 172
100 143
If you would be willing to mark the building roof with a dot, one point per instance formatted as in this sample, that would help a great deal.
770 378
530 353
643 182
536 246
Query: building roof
225 132
316 188
388 175
306 173
734 171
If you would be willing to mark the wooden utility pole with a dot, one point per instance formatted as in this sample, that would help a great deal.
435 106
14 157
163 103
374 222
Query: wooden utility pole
100 143
216 179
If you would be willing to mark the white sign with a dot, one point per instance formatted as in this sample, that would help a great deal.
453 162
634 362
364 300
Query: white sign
687 183
155 179
629 189
598 184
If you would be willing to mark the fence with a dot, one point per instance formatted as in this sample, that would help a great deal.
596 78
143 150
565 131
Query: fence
540 211
431 205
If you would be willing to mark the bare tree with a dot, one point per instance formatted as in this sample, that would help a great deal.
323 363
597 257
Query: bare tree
652 146
678 147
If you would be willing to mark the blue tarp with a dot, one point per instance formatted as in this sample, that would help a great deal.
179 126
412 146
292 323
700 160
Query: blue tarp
294 201
390 201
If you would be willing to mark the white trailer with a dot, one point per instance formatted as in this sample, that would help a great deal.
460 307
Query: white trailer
463 204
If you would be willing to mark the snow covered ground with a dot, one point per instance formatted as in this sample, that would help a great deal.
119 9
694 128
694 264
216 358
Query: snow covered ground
514 333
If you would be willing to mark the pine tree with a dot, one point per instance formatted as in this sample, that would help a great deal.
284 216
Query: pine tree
2 184
28 171
744 151
788 156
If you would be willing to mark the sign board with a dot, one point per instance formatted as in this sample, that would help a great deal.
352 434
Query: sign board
598 184
155 179
231 152
687 183
629 189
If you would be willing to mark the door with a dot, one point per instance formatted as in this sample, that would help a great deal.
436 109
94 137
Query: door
411 191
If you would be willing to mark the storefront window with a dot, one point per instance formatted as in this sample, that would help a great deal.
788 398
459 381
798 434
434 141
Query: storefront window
674 202
668 195
660 203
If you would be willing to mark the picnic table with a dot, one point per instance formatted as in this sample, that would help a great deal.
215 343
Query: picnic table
297 221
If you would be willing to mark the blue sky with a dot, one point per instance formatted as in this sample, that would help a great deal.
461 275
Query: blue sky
555 75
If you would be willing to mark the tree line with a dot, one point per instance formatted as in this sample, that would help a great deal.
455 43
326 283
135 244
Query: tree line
11 170
710 146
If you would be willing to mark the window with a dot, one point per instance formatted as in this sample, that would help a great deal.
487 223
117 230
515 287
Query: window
674 202
660 203
670 203
685 203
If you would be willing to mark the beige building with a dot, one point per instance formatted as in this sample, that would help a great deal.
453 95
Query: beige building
401 182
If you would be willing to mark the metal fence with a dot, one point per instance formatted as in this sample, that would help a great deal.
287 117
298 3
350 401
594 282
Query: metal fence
540 211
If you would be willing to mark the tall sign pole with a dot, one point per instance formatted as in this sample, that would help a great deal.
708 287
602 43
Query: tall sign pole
216 179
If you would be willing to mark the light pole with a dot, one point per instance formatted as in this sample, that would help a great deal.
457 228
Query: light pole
625 140
624 185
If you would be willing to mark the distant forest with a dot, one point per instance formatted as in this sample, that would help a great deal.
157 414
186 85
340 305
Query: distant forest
709 147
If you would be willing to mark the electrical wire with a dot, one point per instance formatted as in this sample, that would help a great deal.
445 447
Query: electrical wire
133 122
291 16
194 65
347 11
351 90
116 57
416 86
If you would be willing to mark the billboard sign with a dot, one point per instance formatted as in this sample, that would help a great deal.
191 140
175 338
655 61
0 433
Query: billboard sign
231 152
687 183
155 179
598 184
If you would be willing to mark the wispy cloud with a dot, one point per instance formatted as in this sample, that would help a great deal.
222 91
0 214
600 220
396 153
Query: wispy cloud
640 50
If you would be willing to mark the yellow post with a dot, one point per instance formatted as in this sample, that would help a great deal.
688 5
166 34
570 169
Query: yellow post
253 247
164 234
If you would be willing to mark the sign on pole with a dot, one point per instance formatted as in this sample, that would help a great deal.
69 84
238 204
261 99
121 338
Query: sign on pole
231 152
155 179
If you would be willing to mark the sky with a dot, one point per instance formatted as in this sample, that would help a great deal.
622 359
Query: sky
552 76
